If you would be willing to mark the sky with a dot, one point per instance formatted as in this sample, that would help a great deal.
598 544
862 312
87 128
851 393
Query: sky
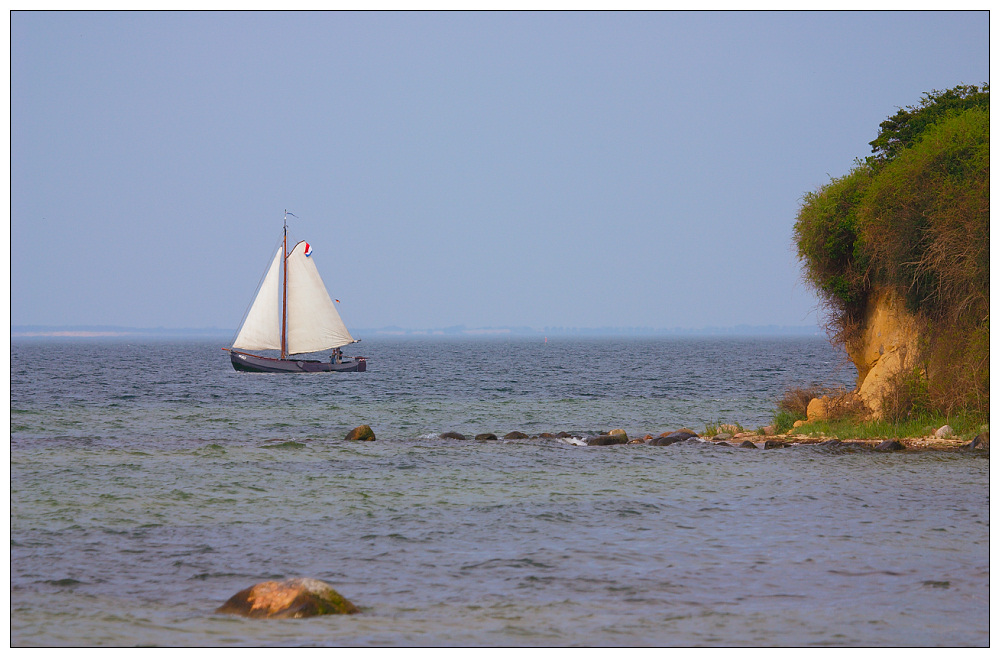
553 169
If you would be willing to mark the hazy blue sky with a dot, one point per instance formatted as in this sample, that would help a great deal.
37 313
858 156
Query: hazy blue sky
518 169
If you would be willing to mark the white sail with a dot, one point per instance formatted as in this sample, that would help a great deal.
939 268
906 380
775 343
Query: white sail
313 321
262 328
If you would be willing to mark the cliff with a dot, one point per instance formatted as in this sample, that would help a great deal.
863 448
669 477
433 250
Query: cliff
898 250
887 345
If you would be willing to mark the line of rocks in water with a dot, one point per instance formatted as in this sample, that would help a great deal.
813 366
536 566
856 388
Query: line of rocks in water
307 597
725 439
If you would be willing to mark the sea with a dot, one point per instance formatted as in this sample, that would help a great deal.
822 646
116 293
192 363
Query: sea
150 482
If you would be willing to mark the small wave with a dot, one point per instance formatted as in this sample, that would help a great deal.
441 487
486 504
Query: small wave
286 445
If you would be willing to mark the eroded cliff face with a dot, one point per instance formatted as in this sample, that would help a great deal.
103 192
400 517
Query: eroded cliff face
887 345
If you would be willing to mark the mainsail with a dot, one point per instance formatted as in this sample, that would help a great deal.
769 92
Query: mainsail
262 328
313 323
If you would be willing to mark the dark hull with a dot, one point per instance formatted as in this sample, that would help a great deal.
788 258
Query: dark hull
247 362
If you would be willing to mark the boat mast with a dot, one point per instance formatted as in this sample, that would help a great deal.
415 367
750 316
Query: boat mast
284 287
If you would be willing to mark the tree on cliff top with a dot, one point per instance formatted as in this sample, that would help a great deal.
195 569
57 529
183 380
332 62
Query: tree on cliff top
914 218
901 130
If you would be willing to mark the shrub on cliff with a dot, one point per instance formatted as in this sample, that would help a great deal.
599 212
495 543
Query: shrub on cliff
915 218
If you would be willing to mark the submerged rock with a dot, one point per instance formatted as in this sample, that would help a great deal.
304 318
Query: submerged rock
683 433
890 446
453 435
512 436
289 599
360 433
748 444
771 445
607 440
669 438
486 437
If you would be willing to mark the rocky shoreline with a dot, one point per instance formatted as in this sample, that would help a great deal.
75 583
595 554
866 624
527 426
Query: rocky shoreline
942 440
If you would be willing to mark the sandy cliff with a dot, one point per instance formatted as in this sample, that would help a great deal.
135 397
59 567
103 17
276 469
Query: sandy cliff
888 344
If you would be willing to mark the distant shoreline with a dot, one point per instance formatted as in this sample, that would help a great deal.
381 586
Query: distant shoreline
91 331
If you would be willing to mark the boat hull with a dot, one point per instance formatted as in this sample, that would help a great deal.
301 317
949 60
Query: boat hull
246 362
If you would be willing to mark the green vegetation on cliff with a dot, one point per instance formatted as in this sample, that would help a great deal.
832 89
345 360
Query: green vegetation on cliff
914 217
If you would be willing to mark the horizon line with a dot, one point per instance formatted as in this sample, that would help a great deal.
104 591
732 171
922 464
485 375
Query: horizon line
392 331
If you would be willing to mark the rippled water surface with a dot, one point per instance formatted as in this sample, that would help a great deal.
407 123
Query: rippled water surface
150 482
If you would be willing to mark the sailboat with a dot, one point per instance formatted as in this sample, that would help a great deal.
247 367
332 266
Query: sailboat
294 314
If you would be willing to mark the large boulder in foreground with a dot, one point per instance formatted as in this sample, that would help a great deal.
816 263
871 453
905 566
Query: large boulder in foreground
288 599
360 433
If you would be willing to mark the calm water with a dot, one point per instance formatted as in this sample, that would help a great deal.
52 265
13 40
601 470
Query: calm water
150 482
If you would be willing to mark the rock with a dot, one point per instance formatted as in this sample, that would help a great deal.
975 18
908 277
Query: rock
771 445
681 435
288 599
513 436
486 437
981 442
619 433
944 432
798 423
607 440
829 443
748 444
890 445
636 441
768 431
816 409
360 433
564 435
729 429
722 436
546 435
453 435
670 439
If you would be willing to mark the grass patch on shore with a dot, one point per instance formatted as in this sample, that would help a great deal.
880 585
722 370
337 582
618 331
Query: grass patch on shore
964 426
720 427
